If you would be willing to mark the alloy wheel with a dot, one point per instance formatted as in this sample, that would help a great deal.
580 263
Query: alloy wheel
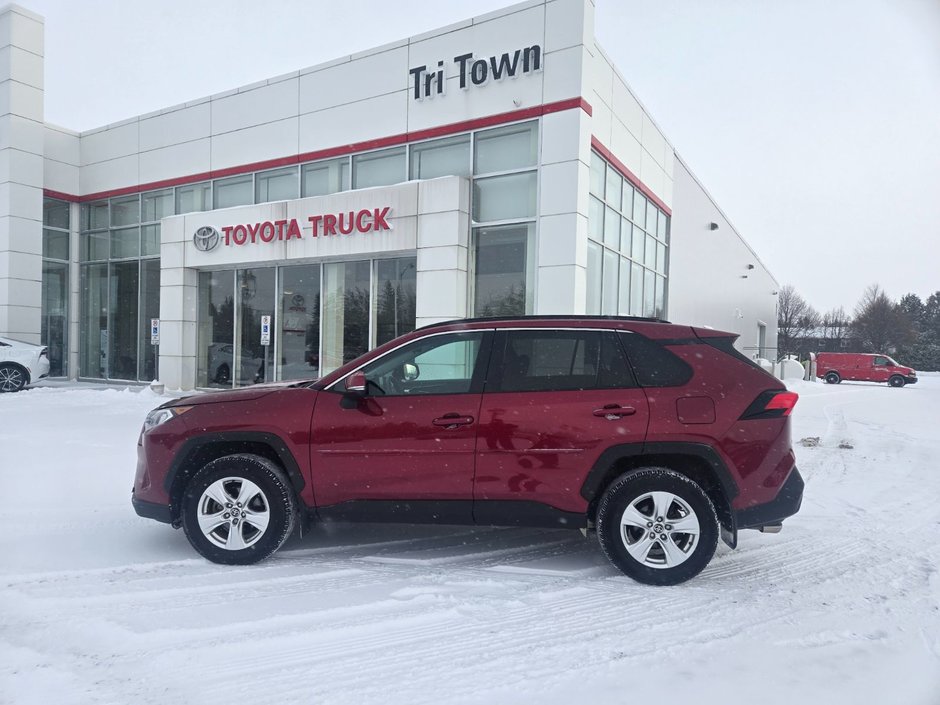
660 530
233 513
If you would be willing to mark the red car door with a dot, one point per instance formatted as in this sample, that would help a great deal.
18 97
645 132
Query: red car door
554 399
405 447
880 370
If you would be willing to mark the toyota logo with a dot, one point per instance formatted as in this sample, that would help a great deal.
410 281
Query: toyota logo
206 238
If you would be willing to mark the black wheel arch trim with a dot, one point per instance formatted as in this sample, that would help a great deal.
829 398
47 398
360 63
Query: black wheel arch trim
272 440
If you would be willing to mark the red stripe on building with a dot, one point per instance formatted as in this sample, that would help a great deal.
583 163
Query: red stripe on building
343 150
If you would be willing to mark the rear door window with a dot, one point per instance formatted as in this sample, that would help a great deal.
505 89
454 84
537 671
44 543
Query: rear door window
542 361
653 364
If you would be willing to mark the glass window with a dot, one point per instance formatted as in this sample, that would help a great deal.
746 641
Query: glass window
537 361
299 322
125 243
652 214
661 226
439 364
649 293
236 191
594 266
505 148
660 297
444 157
95 215
650 254
614 186
345 320
149 308
598 179
156 205
501 270
55 322
122 332
55 244
639 210
193 197
611 228
504 197
149 240
322 178
595 219
623 304
660 258
626 236
379 168
626 203
216 352
655 366
610 291
639 238
636 290
93 348
125 211
395 298
253 362
276 185
55 213
95 246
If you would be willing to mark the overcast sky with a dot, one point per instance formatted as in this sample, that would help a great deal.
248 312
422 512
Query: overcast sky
815 124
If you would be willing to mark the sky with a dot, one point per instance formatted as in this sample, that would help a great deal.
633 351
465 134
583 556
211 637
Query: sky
815 125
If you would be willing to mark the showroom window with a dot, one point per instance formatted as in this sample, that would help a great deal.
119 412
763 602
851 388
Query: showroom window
503 206
445 157
381 168
276 185
236 191
55 284
628 246
323 178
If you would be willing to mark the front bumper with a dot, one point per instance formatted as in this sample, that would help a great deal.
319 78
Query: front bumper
910 380
150 510
785 504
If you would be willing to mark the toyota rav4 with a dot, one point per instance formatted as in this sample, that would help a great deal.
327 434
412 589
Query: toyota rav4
660 438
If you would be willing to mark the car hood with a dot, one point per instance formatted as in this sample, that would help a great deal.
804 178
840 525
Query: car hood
229 395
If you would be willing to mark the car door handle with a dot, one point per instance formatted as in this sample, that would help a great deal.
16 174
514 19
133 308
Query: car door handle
452 420
612 412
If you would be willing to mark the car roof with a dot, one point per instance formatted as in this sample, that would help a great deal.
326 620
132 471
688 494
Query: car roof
554 318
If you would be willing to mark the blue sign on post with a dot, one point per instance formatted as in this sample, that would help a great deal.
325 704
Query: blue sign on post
154 331
265 330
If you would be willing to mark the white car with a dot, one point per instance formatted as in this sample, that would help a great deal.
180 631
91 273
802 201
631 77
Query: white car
21 363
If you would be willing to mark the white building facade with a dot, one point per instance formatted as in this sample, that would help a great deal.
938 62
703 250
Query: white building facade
498 166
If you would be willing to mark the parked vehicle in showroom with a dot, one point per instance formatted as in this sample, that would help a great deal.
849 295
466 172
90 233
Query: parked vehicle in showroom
660 437
863 367
21 364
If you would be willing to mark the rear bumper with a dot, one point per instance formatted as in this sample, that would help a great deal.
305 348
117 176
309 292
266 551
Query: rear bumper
785 504
150 510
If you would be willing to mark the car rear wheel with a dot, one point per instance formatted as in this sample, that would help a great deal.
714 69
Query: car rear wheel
896 381
833 378
12 378
238 509
657 526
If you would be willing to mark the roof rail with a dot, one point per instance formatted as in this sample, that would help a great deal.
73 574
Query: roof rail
552 317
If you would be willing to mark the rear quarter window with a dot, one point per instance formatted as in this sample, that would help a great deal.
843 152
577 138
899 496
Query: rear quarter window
653 364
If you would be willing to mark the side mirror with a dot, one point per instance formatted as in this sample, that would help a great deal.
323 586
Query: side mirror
356 383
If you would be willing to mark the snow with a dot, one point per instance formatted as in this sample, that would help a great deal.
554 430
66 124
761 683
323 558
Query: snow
100 606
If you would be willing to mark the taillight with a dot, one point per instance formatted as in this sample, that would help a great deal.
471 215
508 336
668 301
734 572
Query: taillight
772 404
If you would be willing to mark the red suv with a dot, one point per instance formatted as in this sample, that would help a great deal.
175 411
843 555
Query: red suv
659 437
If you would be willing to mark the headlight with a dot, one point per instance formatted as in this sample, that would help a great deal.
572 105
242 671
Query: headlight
159 416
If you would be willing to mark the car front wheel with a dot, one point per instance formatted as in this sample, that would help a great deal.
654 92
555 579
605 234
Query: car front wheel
12 378
896 381
657 526
238 509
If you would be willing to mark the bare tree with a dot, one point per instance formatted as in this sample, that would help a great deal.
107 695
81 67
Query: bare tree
880 324
835 327
795 320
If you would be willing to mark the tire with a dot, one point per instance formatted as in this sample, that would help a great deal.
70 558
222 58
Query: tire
896 381
833 378
210 514
13 378
627 511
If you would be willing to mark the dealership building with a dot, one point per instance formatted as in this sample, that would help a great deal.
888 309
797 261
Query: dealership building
497 166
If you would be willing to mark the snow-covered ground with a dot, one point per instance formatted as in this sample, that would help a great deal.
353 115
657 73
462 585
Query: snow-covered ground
99 606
